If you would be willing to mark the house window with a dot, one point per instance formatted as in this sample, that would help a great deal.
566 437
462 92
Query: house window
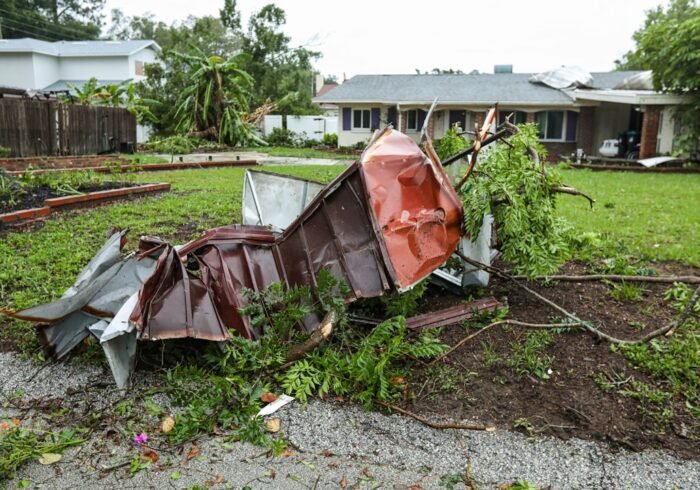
415 119
360 118
138 68
551 124
518 117
460 118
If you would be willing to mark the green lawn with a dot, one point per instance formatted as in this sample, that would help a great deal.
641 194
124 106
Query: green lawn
656 215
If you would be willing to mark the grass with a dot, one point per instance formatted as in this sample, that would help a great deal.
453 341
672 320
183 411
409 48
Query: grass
283 151
657 216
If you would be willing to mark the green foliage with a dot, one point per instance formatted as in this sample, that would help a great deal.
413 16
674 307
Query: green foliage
177 144
5 152
369 373
507 184
679 294
56 20
626 291
451 143
330 139
404 304
528 357
280 137
19 445
214 103
211 400
10 191
668 44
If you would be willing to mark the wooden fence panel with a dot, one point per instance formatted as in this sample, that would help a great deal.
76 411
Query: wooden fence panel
35 127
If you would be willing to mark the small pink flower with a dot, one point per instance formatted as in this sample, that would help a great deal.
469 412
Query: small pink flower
140 439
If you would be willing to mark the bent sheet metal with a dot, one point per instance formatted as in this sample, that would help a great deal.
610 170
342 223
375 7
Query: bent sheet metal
385 223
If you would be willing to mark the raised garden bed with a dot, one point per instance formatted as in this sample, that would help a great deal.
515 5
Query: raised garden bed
41 201
82 162
146 167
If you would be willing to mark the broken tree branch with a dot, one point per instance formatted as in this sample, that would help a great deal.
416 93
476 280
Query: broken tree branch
458 156
614 278
317 337
435 425
573 192
584 324
494 324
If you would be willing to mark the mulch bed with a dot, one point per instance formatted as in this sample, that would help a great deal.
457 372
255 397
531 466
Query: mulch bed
35 196
570 403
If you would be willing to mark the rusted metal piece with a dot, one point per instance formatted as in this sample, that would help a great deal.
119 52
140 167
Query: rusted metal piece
384 224
452 315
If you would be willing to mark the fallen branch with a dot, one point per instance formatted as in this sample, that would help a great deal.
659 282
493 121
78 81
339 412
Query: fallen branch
318 336
616 278
494 324
573 192
435 425
587 325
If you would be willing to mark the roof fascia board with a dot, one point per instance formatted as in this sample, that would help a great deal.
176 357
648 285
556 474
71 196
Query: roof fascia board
632 99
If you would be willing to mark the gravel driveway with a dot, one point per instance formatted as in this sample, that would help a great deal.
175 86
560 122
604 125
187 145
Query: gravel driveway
331 446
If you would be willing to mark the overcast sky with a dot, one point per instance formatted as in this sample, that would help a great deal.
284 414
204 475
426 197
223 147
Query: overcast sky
373 36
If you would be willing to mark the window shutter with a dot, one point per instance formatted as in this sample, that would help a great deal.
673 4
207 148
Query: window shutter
391 116
571 120
347 115
374 124
420 114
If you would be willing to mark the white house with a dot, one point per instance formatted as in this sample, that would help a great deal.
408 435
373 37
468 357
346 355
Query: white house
33 64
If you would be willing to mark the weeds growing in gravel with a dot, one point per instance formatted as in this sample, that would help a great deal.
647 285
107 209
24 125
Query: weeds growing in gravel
18 445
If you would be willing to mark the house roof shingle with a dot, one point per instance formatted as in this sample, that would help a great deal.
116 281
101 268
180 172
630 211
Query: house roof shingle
75 48
478 89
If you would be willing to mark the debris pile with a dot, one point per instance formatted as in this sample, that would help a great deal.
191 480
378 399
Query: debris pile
384 224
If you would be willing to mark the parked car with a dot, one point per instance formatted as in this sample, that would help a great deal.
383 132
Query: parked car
609 148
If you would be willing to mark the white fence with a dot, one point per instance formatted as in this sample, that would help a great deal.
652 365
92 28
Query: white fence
314 127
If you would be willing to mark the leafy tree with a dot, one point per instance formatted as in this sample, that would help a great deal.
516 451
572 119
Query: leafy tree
121 94
669 44
51 20
283 74
230 16
214 103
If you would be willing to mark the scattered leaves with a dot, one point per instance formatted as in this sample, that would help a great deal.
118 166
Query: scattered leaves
49 458
273 425
268 397
152 455
167 424
193 452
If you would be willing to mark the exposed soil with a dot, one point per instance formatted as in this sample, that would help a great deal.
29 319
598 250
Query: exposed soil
570 403
34 197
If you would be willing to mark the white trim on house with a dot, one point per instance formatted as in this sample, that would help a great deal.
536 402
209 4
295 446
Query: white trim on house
637 97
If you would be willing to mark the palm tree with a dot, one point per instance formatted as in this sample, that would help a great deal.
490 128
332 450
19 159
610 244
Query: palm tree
214 104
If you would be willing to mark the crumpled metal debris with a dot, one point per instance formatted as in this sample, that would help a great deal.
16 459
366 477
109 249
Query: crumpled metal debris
389 220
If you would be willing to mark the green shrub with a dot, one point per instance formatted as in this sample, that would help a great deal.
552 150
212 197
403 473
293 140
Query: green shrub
330 140
4 152
280 137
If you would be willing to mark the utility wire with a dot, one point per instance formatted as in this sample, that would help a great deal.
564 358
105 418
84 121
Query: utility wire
55 29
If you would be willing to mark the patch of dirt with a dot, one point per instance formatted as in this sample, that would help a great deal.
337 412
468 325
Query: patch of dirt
34 197
570 403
